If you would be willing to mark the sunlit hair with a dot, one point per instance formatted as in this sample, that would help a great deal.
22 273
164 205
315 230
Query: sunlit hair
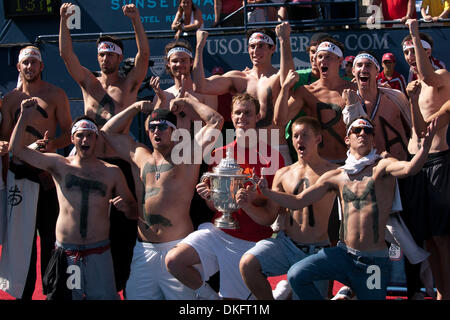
241 97
313 123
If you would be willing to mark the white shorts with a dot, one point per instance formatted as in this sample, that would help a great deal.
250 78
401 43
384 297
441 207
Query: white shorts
220 251
149 278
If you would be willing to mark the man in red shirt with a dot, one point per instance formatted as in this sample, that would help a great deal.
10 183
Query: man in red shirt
394 79
210 249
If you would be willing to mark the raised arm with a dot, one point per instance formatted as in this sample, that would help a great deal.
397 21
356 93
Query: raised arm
213 120
419 125
113 130
401 169
80 74
283 31
214 85
44 161
310 195
424 67
138 73
287 108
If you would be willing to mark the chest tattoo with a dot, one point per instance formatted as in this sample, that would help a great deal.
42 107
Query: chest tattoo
311 220
367 198
329 124
86 187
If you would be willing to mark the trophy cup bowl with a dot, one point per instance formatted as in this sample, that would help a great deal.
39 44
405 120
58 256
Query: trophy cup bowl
225 181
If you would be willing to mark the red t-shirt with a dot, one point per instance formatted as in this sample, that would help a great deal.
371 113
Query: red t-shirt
248 229
396 82
395 9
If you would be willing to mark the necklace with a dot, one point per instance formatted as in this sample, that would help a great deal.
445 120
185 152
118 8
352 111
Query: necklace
158 171
377 104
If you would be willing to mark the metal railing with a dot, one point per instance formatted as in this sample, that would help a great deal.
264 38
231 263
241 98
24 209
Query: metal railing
323 21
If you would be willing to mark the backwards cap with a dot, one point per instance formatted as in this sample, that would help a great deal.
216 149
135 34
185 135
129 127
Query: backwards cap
160 115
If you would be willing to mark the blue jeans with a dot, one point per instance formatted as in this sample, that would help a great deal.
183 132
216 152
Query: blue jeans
367 273
277 255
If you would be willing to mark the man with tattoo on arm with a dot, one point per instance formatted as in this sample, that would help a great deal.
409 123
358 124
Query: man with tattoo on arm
210 249
165 192
262 81
104 96
321 99
37 209
428 216
365 186
304 231
87 187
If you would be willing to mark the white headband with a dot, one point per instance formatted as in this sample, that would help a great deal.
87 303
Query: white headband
260 37
106 46
84 125
367 56
360 123
330 47
179 49
409 44
30 52
162 121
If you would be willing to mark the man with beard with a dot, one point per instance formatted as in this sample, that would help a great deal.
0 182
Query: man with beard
38 208
104 96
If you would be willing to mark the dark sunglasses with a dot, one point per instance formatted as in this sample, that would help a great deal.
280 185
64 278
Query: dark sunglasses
160 126
357 130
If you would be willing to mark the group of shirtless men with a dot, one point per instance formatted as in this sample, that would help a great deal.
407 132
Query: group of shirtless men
338 140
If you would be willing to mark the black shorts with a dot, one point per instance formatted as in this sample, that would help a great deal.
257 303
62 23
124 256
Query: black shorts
426 198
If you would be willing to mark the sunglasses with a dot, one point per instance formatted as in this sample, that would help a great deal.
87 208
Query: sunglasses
357 130
160 126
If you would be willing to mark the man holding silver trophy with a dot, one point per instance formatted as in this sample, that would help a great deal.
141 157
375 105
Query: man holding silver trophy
210 249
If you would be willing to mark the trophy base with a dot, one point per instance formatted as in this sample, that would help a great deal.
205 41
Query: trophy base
226 223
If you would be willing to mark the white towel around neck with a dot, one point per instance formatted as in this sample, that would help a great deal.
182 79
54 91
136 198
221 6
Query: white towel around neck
353 165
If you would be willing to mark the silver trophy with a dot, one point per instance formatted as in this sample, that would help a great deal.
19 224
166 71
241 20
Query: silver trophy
225 181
